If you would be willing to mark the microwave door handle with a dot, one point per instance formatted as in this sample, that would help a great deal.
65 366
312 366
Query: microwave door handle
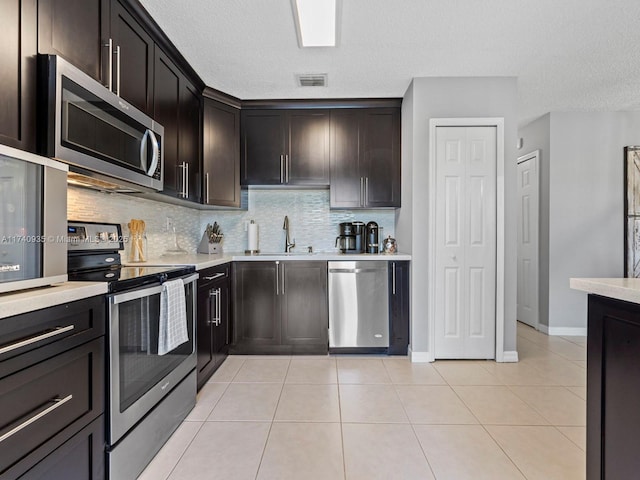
143 150
155 149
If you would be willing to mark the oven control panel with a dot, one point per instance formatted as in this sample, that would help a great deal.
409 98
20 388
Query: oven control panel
89 237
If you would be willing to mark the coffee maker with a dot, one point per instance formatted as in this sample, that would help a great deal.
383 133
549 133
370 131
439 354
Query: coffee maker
351 238
373 238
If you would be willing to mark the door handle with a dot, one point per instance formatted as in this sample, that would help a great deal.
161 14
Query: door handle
283 275
281 168
37 338
57 402
287 167
117 92
393 278
186 180
109 46
218 310
366 192
361 191
213 277
206 188
277 278
155 153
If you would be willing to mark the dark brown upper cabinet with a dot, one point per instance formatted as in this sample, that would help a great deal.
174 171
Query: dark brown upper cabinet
221 154
76 30
18 35
285 147
365 158
133 57
176 106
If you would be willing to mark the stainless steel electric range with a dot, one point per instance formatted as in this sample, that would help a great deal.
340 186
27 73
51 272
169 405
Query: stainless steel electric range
148 393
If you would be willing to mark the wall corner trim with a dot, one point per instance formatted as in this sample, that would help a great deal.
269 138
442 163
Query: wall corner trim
510 356
420 357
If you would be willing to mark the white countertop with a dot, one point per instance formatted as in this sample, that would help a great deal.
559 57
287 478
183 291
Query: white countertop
627 289
24 301
202 260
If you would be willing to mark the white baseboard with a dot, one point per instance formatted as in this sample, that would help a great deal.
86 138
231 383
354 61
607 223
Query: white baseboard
420 357
510 356
543 328
568 331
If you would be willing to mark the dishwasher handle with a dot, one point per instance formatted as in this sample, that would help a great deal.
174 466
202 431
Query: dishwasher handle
353 270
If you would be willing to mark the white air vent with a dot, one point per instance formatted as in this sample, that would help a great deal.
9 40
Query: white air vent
312 80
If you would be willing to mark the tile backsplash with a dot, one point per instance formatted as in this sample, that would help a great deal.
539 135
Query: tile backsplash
311 222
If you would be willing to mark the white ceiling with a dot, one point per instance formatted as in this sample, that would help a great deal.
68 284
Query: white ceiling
567 54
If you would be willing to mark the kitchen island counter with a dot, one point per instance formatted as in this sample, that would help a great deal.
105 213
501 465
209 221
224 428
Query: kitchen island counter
626 289
203 260
30 300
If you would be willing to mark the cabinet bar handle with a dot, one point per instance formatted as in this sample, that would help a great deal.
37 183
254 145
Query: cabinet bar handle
118 73
283 275
361 190
218 309
57 402
277 278
366 192
213 277
37 338
109 46
281 168
206 187
393 278
287 167
186 180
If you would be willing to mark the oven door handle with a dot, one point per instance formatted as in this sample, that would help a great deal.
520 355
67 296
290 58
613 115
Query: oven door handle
146 292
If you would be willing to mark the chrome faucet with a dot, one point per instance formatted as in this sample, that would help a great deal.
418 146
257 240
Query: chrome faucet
287 242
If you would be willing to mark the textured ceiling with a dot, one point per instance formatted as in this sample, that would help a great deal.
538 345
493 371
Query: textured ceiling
567 54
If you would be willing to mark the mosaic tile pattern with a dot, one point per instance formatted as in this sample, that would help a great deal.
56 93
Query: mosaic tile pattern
311 221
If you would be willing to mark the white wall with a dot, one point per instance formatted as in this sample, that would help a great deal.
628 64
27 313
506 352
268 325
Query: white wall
585 198
537 136
441 97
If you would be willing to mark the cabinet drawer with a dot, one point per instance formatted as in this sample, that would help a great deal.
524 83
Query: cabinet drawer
49 402
44 333
214 274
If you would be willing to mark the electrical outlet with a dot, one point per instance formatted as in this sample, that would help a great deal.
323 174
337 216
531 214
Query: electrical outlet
169 224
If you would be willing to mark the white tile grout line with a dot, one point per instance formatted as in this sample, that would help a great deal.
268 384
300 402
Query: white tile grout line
275 410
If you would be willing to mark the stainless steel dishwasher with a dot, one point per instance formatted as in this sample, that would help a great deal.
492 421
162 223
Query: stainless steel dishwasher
358 305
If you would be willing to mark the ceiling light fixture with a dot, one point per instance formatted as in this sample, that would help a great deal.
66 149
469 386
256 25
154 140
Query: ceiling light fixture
316 22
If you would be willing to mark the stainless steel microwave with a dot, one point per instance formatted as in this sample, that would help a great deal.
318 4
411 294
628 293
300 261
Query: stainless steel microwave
106 141
33 220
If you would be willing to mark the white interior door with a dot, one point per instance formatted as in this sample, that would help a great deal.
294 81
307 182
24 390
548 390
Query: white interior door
528 201
465 247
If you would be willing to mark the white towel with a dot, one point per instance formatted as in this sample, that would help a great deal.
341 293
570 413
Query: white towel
172 330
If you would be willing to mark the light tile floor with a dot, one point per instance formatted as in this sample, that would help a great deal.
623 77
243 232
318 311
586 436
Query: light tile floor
386 418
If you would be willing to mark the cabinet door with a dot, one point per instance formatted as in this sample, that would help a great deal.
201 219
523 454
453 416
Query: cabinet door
347 184
189 131
398 308
204 331
75 30
380 138
18 34
221 155
256 310
263 147
308 147
165 111
135 66
305 317
221 332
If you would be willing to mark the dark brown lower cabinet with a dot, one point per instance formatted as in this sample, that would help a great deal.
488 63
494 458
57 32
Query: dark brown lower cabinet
52 392
213 330
280 307
613 389
399 307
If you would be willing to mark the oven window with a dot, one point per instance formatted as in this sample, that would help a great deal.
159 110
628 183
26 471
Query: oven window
141 368
20 220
